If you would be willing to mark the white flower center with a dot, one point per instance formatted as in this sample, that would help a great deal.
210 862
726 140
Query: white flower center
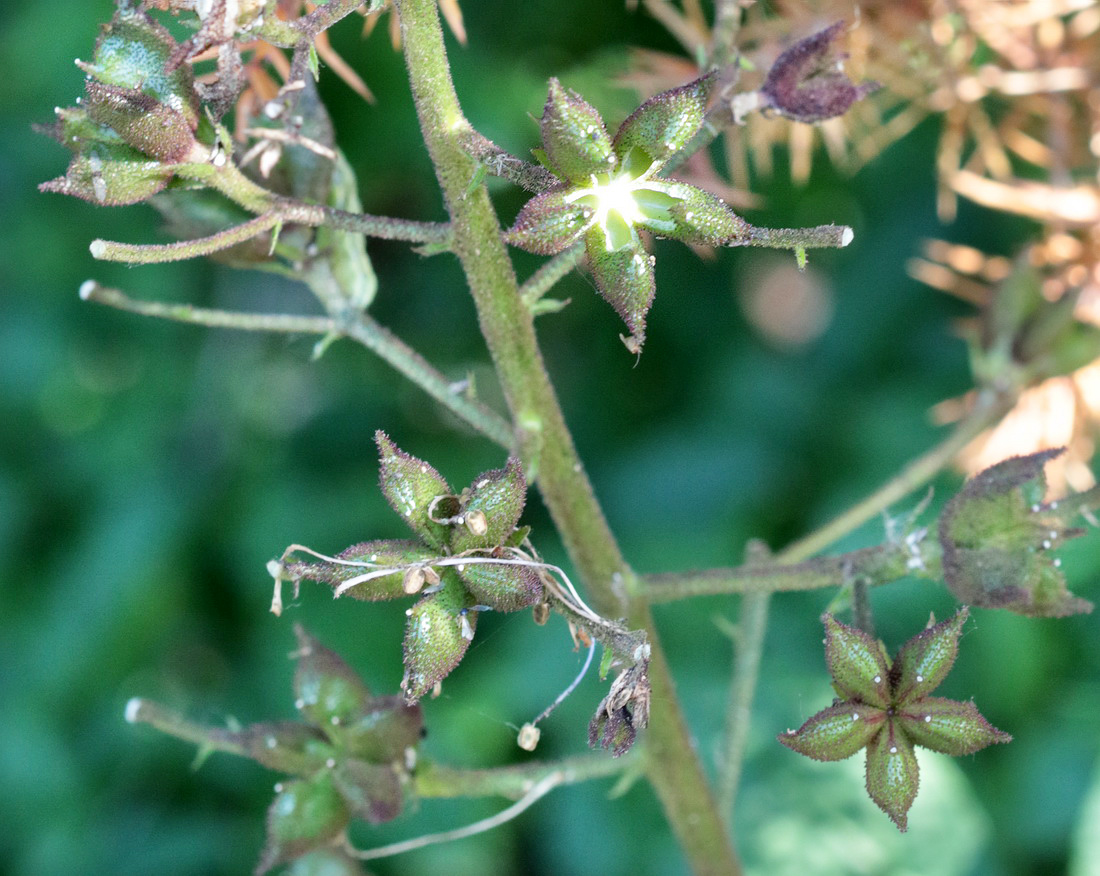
615 209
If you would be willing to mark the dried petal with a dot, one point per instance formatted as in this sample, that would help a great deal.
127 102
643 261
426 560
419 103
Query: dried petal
857 664
892 774
574 139
665 124
924 661
948 726
835 733
410 485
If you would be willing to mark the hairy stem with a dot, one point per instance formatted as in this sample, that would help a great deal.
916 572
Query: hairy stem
359 327
543 440
752 626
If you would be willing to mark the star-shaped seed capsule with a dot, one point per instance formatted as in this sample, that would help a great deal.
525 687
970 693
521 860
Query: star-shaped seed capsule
886 708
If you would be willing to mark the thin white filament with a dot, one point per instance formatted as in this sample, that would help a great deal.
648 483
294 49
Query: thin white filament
538 790
572 687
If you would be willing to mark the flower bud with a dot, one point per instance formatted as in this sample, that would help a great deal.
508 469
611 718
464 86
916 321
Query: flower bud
306 815
434 637
574 139
665 124
495 500
411 486
996 539
502 587
328 692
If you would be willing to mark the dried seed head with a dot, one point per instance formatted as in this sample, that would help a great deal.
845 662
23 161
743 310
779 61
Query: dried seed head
414 579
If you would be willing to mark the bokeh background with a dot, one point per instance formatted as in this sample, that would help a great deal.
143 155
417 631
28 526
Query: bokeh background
148 471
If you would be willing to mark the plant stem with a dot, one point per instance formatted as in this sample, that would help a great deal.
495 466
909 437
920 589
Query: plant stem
437 780
880 564
752 626
862 564
990 407
544 279
543 439
359 327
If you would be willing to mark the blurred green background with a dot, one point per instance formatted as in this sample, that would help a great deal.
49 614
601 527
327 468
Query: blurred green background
148 471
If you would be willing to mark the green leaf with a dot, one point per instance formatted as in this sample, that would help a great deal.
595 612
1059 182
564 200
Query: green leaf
924 661
574 139
438 633
835 733
948 726
892 774
307 814
857 664
665 124
411 486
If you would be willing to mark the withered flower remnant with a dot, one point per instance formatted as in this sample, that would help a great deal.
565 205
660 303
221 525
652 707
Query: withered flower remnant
997 538
807 81
885 707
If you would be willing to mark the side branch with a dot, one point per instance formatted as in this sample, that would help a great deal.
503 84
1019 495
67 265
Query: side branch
879 565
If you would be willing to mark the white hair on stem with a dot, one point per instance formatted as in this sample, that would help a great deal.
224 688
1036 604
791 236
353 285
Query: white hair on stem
542 787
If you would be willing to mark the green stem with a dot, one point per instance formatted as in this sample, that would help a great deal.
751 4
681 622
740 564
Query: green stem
359 327
752 626
872 565
543 440
437 780
544 279
880 564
